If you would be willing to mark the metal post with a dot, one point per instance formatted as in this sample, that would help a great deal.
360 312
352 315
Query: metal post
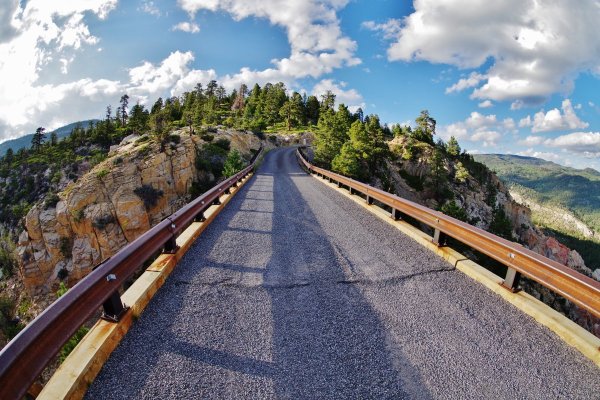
217 202
339 184
369 200
439 238
171 246
113 308
350 190
395 214
511 281
200 217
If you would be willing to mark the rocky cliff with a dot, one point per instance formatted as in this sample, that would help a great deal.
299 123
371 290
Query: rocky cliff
113 204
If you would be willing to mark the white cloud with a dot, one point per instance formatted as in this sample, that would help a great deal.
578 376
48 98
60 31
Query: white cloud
189 27
531 141
484 129
349 97
537 47
485 104
390 29
554 120
544 155
526 121
313 30
465 83
42 31
586 144
150 8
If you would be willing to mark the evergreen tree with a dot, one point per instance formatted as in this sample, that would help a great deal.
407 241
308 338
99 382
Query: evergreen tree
312 110
327 101
453 148
124 104
233 164
439 175
461 174
38 139
138 120
347 162
53 138
425 127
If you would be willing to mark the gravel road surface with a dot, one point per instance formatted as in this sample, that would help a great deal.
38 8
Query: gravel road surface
296 292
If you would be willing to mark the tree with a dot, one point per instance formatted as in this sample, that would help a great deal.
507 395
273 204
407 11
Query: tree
327 101
359 115
233 164
157 106
452 209
425 127
123 108
312 110
238 102
453 148
439 175
53 138
38 139
500 224
138 120
347 162
461 174
291 112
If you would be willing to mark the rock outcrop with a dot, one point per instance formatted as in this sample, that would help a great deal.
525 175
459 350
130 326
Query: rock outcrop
118 200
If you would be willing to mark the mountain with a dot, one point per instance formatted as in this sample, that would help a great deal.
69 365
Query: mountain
564 201
25 141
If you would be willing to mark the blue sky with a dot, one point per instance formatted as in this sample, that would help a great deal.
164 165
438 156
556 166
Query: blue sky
518 77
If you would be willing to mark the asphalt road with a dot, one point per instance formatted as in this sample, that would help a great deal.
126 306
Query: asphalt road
296 292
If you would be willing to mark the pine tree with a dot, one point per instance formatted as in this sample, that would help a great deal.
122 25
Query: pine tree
38 139
453 148
461 174
233 164
123 108
425 127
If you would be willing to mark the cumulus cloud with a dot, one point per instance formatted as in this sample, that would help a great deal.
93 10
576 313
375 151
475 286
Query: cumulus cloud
465 83
538 47
554 120
189 27
150 8
544 155
390 29
477 127
586 144
531 141
313 30
485 104
43 31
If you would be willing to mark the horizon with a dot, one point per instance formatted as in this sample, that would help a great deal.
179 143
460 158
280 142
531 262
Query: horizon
516 81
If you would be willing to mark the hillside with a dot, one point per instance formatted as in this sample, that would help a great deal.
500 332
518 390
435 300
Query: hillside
564 201
25 141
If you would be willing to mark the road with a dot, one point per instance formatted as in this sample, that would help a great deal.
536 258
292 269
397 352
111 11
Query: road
296 292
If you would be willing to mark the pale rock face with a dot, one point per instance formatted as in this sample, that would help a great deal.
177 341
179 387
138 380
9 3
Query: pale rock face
101 212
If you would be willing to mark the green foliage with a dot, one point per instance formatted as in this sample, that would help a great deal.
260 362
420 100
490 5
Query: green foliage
425 128
500 224
103 221
453 148
348 162
8 262
149 195
102 173
223 143
451 209
62 289
439 175
233 163
75 339
51 200
460 174
66 247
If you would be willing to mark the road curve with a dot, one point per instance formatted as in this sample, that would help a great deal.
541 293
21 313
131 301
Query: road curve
296 292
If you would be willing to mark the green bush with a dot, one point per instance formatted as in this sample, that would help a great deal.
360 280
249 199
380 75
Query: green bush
51 200
223 143
149 195
451 209
102 173
103 221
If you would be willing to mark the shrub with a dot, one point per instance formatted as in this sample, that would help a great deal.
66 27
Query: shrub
142 139
223 143
103 221
51 200
451 209
65 247
207 137
102 173
149 195
118 160
175 138
78 215
233 164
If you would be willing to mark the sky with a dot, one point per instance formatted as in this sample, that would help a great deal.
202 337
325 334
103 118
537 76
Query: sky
513 76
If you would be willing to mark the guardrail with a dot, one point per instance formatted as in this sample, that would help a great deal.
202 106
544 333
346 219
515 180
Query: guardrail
574 286
25 357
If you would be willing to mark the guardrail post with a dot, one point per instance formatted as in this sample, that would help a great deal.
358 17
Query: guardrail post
339 184
113 307
200 217
217 201
395 214
369 200
511 281
350 190
171 245
439 238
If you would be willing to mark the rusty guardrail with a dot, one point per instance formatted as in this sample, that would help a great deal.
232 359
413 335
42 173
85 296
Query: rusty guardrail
27 354
574 286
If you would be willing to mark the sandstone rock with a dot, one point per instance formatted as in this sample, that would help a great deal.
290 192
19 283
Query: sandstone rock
100 213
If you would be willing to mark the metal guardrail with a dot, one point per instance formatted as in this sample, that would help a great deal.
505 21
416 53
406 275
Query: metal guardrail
574 286
24 358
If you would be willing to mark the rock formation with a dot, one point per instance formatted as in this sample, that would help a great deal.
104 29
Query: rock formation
118 200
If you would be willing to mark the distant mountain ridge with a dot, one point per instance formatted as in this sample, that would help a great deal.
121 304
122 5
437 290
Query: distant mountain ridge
565 201
25 141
